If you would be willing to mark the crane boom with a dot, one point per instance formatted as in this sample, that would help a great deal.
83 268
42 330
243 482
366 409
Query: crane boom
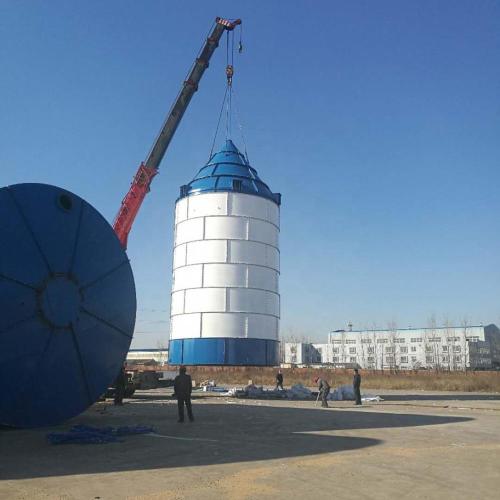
148 169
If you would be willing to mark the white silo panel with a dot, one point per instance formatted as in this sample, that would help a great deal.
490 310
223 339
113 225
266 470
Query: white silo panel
179 256
205 300
265 232
273 304
272 257
230 228
177 303
189 230
181 210
262 326
223 325
273 213
224 275
188 277
199 252
248 252
207 204
262 277
185 326
248 205
253 301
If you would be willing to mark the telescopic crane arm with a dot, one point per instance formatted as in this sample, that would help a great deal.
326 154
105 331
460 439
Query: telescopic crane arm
148 169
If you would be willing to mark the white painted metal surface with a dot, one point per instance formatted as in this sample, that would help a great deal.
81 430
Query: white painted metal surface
225 267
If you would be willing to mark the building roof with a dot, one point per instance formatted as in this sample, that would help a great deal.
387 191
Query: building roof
229 170
408 330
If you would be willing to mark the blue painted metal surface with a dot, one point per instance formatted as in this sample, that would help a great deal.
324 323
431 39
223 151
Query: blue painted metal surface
224 351
228 170
67 305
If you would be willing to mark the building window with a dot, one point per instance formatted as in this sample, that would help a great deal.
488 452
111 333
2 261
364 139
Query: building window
458 358
414 359
381 341
434 339
453 339
350 341
389 349
403 349
337 342
352 350
390 359
400 341
429 359
335 359
404 359
413 348
416 339
353 359
445 348
370 350
370 359
457 348
428 348
336 350
445 359
366 341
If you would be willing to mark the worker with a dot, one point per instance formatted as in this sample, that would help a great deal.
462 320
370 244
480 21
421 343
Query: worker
279 380
182 390
356 384
120 383
324 390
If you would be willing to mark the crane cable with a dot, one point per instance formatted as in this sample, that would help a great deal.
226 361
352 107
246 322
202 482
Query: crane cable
227 101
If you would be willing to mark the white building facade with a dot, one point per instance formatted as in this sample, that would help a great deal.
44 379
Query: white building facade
446 348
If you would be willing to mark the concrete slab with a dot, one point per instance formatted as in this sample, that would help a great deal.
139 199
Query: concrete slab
405 447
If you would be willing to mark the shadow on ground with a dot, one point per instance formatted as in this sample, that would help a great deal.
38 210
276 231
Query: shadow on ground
221 434
440 397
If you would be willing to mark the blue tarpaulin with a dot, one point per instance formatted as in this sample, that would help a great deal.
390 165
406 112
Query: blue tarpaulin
85 434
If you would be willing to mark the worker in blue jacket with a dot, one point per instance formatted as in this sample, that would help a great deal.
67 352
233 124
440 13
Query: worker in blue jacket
182 390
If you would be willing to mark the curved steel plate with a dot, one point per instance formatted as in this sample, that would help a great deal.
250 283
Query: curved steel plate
67 305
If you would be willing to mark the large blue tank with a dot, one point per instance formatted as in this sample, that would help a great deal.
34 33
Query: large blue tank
67 305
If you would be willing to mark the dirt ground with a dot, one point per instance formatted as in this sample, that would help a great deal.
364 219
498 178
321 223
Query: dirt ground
419 445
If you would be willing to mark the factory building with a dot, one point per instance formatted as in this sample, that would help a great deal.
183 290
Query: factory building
225 305
445 348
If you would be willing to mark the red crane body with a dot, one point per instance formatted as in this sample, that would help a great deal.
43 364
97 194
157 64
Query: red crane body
147 170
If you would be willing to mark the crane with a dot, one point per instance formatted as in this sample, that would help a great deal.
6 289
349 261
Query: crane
148 169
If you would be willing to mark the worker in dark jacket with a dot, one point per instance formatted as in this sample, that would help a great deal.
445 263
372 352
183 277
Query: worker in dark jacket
120 384
324 390
356 384
279 380
182 390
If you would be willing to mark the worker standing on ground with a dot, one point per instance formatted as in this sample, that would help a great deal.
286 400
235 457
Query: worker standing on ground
182 390
120 383
279 380
324 390
356 383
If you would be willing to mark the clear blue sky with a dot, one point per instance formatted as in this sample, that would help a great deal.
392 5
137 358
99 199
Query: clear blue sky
377 121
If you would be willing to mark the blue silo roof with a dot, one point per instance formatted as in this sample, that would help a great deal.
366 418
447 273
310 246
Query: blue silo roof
229 170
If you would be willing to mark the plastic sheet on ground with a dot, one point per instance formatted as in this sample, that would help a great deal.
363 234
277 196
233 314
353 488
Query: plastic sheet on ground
346 393
85 434
298 391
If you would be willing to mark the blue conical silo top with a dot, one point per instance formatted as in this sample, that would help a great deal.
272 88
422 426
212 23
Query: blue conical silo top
229 170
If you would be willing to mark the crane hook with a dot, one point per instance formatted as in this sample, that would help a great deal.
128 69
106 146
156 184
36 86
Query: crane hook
229 74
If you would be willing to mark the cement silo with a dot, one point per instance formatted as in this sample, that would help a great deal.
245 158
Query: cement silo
225 304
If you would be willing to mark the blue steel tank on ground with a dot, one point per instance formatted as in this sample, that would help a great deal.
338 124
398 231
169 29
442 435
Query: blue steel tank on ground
67 305
225 303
